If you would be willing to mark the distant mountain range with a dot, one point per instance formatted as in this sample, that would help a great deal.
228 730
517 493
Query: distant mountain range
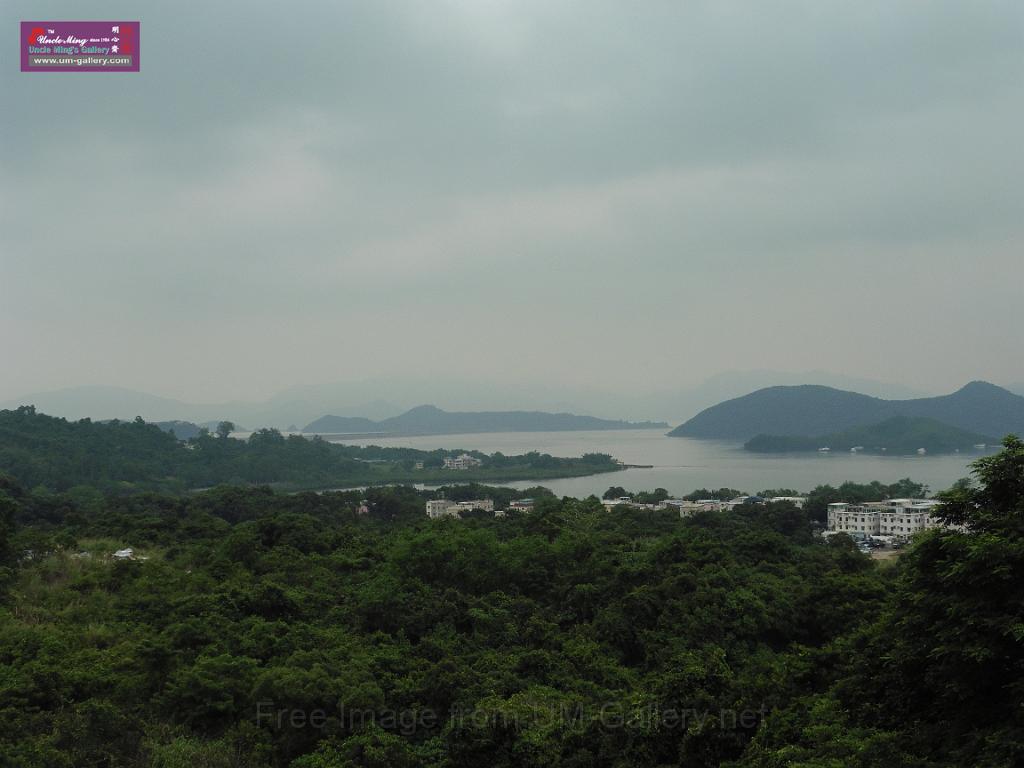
810 410
379 399
430 420
101 403
898 435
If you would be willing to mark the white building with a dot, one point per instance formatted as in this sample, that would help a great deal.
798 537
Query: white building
715 505
465 461
521 505
905 517
900 518
442 508
437 508
487 505
626 501
689 508
610 503
852 518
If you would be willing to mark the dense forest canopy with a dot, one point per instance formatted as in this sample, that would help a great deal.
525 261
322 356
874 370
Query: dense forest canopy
254 628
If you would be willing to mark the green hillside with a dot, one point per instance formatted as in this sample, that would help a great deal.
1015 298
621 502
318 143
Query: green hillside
810 411
248 628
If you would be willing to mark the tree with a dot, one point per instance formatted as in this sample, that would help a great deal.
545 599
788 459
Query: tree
8 509
997 504
656 496
224 429
951 646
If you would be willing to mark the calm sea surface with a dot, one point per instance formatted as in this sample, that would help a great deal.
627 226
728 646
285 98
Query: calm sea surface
681 465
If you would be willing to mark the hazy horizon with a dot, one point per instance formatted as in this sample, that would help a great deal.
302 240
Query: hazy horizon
539 199
384 398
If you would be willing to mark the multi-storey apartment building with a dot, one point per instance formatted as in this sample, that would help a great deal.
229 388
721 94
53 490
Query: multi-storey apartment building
901 518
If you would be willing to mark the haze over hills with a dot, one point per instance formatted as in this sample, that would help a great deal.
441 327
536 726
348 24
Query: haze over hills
674 404
431 420
379 399
810 410
105 402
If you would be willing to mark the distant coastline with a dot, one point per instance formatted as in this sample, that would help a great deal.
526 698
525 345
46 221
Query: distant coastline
896 436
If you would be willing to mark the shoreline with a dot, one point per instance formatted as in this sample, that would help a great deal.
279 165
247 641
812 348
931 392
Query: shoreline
463 477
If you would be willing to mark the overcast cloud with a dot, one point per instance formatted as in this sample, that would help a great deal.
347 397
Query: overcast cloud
623 195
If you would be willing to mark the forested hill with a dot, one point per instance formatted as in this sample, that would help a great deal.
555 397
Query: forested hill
812 410
132 456
430 420
256 629
183 430
898 435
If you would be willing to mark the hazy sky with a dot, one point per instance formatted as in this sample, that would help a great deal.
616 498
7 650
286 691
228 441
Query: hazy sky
629 195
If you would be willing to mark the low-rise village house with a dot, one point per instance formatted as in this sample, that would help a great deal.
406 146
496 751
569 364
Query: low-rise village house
464 461
437 508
